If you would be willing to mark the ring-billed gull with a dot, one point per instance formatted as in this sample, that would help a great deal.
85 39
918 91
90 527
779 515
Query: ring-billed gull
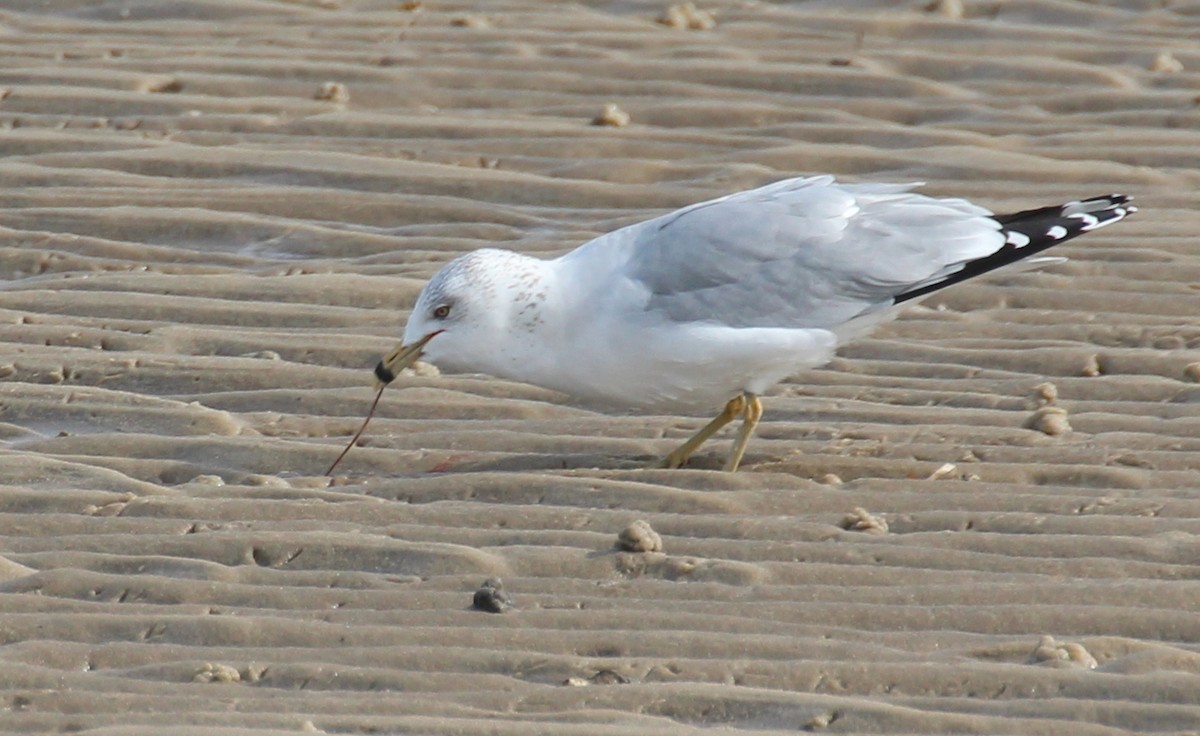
715 303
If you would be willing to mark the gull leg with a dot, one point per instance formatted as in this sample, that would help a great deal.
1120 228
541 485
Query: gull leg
752 412
736 405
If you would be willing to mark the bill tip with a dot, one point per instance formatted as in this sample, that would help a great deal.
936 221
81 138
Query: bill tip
383 376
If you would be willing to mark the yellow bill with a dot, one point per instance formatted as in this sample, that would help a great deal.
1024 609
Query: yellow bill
399 359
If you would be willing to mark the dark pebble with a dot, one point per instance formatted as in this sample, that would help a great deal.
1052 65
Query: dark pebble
491 597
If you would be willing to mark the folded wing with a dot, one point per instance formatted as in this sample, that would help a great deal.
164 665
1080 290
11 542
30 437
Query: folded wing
812 253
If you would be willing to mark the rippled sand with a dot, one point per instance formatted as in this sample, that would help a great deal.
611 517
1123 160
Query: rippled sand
984 519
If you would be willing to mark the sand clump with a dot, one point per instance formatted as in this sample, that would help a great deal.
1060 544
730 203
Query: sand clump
476 22
821 721
217 672
1044 393
334 92
861 520
1061 654
1050 420
160 85
639 537
603 677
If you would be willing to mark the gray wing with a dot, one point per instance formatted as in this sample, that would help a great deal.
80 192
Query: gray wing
803 252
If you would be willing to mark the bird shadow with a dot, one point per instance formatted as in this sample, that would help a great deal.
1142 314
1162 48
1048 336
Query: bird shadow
581 461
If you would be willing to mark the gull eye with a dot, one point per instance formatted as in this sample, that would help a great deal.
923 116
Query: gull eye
442 312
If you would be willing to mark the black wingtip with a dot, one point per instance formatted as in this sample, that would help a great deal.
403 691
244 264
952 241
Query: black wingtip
1030 232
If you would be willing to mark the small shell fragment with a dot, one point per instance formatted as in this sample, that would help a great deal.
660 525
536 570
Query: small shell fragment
687 17
333 92
945 471
612 116
1166 63
952 9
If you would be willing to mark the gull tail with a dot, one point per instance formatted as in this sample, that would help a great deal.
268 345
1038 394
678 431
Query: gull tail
1030 232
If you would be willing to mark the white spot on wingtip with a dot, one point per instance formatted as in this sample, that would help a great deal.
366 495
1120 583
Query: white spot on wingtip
1058 232
1016 239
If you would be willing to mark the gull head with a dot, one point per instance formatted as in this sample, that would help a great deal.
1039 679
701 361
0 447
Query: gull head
466 317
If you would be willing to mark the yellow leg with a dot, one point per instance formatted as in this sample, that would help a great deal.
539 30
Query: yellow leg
750 416
736 405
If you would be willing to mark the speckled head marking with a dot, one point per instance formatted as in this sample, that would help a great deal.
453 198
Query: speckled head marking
466 279
479 301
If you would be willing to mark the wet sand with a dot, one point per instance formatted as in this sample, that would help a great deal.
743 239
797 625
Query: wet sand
215 214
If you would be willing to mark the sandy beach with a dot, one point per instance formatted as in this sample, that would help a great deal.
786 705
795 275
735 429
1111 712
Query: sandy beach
216 214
